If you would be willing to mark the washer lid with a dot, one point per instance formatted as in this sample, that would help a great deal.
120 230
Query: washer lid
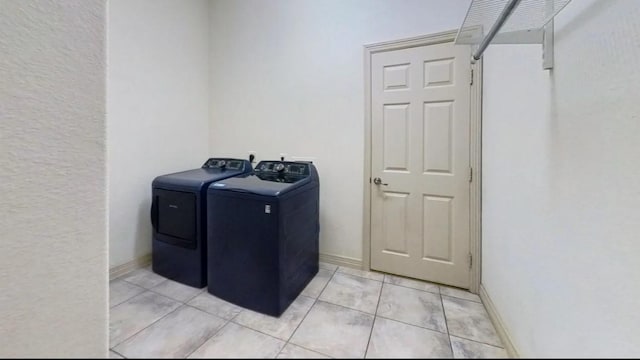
257 184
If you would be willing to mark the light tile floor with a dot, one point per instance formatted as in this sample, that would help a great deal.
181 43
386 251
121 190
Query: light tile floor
342 313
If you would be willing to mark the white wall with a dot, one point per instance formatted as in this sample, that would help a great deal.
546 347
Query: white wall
561 188
53 246
287 77
157 106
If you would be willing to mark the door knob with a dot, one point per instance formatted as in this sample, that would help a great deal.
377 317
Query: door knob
378 181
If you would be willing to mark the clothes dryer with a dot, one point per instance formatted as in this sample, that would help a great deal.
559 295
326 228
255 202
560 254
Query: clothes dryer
178 217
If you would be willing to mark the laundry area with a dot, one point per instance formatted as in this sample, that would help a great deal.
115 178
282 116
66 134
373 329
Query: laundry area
235 272
319 178
320 230
257 252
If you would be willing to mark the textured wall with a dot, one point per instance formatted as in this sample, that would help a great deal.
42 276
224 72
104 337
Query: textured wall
287 77
157 105
561 196
53 244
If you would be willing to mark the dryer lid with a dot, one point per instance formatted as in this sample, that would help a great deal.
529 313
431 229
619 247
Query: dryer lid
197 178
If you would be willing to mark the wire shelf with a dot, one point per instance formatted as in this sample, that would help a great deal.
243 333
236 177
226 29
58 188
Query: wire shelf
529 16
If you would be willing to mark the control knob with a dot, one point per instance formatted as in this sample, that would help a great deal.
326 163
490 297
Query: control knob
279 167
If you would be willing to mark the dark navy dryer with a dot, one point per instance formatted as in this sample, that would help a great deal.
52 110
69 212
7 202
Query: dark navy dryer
178 216
263 235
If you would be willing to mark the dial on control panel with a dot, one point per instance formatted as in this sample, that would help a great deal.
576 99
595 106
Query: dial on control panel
279 167
214 163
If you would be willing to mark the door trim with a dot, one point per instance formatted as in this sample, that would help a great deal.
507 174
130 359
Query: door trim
475 156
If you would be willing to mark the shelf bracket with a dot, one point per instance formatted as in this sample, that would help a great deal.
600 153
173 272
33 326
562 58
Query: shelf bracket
547 46
547 39
510 22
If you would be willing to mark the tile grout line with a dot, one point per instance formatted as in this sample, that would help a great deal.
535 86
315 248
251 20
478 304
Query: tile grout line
256 330
367 313
332 271
407 287
124 357
122 302
375 316
135 296
209 338
239 312
165 279
157 293
446 324
162 317
194 296
422 327
459 298
264 333
300 346
168 297
348 308
384 276
182 304
217 331
406 323
463 337
208 313
260 331
360 276
315 301
439 286
162 282
344 306
478 342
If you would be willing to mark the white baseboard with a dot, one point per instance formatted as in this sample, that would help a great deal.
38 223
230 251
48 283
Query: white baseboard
341 261
498 323
142 261
138 263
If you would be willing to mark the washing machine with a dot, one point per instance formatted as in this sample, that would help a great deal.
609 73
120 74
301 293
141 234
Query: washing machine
263 235
178 217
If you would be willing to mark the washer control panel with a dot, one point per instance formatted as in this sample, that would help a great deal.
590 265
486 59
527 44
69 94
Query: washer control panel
222 163
290 168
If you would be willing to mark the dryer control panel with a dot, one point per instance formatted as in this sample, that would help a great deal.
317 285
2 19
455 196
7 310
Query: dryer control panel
289 168
223 163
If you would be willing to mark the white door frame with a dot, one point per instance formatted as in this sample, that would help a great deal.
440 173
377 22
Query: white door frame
475 156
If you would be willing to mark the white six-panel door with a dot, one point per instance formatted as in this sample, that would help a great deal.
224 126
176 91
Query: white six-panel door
420 110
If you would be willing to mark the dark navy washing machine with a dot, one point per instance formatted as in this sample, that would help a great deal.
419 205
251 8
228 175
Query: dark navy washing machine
178 216
263 235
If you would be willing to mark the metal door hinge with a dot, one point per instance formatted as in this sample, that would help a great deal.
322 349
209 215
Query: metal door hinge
470 174
470 260
471 81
